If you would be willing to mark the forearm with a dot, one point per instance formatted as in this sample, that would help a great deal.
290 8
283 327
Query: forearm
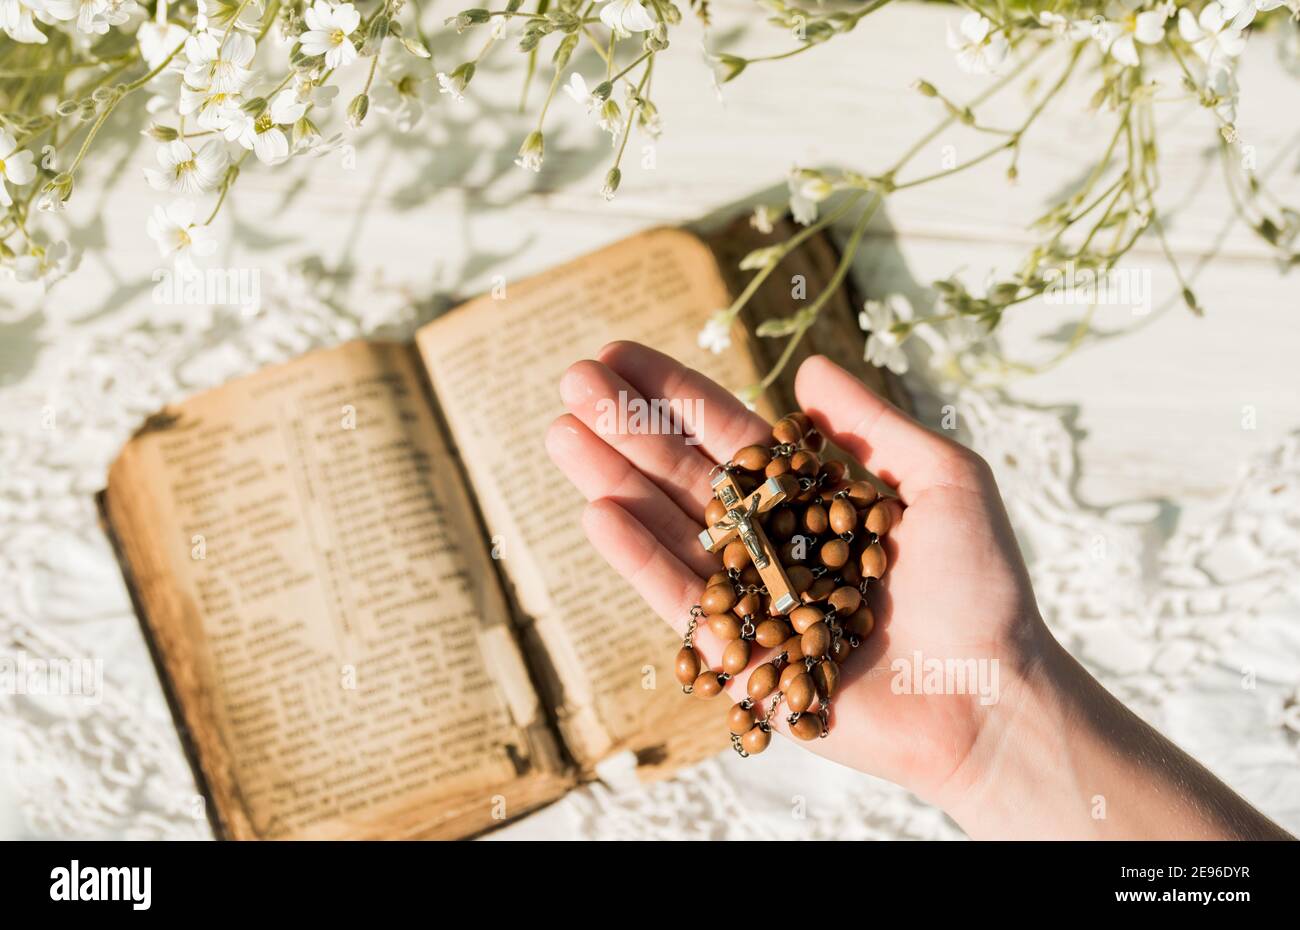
1063 759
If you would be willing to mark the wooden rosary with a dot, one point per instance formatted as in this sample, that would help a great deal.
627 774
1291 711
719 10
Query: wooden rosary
800 547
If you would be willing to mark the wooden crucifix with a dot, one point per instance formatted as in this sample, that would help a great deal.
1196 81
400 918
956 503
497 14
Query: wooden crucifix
741 522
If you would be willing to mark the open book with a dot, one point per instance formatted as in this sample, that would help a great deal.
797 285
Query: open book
366 589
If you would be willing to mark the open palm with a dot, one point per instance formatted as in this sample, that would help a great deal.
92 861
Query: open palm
956 588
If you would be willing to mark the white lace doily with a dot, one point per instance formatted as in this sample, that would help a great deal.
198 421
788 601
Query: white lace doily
1193 626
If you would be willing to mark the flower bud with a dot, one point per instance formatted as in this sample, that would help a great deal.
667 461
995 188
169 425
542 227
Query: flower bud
926 89
55 194
305 135
728 67
565 50
656 40
160 133
603 90
358 109
463 75
612 180
530 153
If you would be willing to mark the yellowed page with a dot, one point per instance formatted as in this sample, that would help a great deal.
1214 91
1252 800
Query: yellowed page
495 365
321 602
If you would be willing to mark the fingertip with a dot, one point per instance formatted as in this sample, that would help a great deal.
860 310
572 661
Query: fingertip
560 435
579 381
610 352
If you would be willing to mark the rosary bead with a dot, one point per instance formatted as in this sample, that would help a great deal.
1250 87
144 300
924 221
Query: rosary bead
748 606
826 675
687 665
772 633
816 639
735 556
843 516
793 648
850 574
714 511
800 693
807 727
782 524
845 600
873 562
725 626
735 657
762 681
749 575
880 518
805 463
707 684
803 617
789 674
835 470
862 494
802 420
819 590
840 649
740 718
815 520
755 741
801 578
718 598
752 458
835 553
778 466
718 578
787 431
814 441
861 622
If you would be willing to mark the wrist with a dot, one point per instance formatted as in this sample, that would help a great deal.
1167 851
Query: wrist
1010 781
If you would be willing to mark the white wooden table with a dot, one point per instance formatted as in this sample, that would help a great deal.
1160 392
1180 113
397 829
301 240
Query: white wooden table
1149 425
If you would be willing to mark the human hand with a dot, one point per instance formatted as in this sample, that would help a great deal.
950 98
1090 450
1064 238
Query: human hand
1030 757
956 587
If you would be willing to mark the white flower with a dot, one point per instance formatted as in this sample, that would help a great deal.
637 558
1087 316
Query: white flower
219 65
178 238
47 265
264 135
978 51
1223 85
449 85
93 16
716 334
625 17
157 41
530 153
403 95
610 119
15 167
884 347
320 96
1242 12
577 89
1118 36
762 219
807 189
185 171
17 19
216 111
1072 29
1212 36
328 28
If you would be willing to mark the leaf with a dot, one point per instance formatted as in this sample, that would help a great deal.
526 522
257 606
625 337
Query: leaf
770 329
